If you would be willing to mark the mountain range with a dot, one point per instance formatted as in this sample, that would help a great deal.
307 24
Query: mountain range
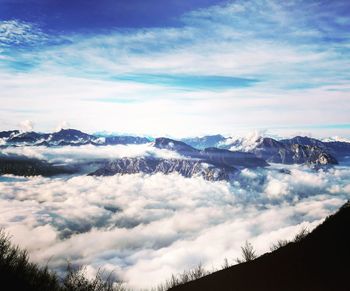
211 157
277 151
64 137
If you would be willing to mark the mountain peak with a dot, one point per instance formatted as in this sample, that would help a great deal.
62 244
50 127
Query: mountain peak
174 145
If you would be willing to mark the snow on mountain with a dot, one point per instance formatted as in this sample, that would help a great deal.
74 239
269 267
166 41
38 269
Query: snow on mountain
64 137
150 165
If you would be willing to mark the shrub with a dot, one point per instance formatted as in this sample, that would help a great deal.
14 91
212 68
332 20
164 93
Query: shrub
280 243
225 264
248 253
16 270
186 276
301 235
19 274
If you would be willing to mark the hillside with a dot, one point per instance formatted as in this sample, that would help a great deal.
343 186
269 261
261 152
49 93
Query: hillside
318 262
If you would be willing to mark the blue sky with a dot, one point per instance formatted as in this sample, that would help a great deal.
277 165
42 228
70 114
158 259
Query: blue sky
87 15
176 68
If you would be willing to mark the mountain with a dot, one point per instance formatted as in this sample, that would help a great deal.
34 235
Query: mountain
212 164
176 146
27 138
292 153
207 141
150 165
70 137
319 261
304 140
125 139
298 150
224 157
244 152
7 134
214 156
64 137
340 150
24 166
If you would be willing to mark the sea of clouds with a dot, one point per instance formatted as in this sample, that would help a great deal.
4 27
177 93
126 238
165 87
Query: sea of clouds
145 228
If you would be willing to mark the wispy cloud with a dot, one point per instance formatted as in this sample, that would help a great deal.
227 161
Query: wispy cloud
194 82
20 33
254 58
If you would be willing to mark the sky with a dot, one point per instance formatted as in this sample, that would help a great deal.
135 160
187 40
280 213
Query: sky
176 68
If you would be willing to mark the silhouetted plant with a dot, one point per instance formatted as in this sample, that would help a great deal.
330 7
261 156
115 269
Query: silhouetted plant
301 235
18 273
16 270
248 253
225 264
198 272
186 276
280 243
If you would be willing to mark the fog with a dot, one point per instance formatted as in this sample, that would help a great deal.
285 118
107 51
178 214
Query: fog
145 228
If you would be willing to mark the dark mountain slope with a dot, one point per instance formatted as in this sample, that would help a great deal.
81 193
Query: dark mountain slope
318 262
64 137
177 146
24 166
7 134
339 149
150 165
292 152
215 156
304 140
229 158
212 164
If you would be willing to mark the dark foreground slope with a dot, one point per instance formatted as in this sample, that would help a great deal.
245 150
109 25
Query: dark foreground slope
321 261
17 273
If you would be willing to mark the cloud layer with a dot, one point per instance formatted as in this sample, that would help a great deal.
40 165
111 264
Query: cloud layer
144 228
90 153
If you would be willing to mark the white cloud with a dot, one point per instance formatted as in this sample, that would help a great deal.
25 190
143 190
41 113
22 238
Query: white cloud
63 125
301 76
19 32
157 110
74 154
26 125
148 227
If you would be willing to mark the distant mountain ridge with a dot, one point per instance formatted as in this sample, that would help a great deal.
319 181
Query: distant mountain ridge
219 162
215 156
212 164
149 165
24 166
64 137
296 150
